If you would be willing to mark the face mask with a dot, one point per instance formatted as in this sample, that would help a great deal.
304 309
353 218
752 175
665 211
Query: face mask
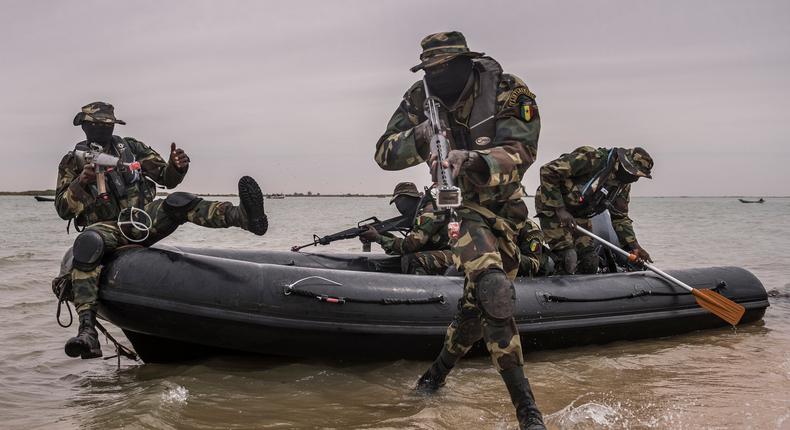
623 176
448 79
406 205
101 133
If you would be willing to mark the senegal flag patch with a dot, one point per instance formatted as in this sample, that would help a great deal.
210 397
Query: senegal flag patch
527 112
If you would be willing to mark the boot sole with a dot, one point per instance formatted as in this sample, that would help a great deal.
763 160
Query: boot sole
75 349
251 198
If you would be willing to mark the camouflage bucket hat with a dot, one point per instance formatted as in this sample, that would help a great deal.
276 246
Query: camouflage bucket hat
440 47
405 189
635 161
97 112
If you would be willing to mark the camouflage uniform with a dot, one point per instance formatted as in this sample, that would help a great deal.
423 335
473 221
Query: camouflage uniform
535 259
425 249
493 211
73 201
585 183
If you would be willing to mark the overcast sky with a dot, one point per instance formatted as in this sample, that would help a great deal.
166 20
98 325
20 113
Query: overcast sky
297 93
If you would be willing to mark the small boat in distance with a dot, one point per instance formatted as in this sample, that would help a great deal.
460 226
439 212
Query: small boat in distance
276 196
752 201
44 199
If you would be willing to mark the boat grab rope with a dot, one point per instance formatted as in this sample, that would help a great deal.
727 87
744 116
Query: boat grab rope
120 349
641 293
62 288
291 290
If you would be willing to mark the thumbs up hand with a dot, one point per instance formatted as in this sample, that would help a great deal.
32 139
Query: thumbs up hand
178 158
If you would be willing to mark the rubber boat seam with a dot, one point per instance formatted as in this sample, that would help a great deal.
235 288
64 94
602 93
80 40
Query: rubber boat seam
292 323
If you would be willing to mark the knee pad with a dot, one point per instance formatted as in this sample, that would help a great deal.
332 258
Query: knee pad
88 250
496 295
177 205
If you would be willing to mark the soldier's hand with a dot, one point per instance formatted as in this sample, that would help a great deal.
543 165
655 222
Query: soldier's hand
565 218
370 235
178 158
88 175
641 254
455 161
422 132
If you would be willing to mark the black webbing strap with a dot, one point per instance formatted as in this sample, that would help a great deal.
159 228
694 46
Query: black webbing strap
640 293
290 291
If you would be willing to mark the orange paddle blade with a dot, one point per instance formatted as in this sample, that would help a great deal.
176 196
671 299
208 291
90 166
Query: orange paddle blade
719 305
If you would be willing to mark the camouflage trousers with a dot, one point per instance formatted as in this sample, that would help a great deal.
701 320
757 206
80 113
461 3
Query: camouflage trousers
85 284
487 243
560 239
427 262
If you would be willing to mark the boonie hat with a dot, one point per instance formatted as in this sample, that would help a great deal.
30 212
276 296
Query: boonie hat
405 189
441 47
100 112
635 161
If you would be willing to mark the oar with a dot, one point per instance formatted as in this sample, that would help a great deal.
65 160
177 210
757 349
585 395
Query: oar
719 305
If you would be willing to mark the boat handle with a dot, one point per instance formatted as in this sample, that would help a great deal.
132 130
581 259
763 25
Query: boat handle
289 288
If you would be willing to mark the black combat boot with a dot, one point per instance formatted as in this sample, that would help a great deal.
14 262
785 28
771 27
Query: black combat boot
529 417
86 343
434 377
249 215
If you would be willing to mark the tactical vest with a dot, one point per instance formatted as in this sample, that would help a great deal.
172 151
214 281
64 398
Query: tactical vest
482 123
119 182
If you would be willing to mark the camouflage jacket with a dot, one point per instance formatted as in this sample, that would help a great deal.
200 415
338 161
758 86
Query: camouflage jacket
428 234
507 154
563 180
75 201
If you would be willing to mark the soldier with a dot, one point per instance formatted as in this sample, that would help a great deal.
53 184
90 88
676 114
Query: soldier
535 258
580 185
78 198
492 124
426 249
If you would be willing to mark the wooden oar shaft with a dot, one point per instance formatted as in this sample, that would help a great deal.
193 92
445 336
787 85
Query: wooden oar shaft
624 253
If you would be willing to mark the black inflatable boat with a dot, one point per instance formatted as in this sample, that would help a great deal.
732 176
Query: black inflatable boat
175 303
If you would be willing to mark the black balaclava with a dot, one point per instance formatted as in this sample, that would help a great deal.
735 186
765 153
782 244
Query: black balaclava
448 79
97 132
407 205
624 177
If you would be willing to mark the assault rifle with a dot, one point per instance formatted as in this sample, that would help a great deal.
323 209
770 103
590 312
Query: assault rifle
448 196
104 163
401 224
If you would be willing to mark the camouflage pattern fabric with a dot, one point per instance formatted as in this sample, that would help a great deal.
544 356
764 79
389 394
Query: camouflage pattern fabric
85 284
74 201
99 112
531 243
487 242
561 184
427 262
560 238
428 233
438 48
492 211
425 249
507 155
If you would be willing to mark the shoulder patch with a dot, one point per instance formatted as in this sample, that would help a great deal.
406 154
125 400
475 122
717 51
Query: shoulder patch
513 98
